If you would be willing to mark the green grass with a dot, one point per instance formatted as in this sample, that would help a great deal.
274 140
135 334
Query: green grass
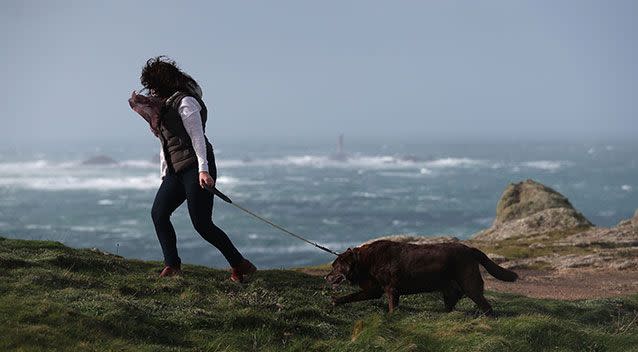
518 248
56 298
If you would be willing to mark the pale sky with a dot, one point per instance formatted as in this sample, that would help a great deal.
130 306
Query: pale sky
297 70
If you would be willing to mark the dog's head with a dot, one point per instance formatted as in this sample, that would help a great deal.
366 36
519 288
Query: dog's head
344 268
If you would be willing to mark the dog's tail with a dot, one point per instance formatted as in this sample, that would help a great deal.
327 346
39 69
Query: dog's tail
494 269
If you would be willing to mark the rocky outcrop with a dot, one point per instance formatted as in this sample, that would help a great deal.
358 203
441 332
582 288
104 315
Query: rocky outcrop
523 199
614 248
530 208
625 234
548 220
543 231
414 239
608 259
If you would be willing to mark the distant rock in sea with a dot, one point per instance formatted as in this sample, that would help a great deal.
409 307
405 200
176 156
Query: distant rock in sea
100 160
529 208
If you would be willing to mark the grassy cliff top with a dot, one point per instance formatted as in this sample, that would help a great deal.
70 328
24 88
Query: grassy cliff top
55 297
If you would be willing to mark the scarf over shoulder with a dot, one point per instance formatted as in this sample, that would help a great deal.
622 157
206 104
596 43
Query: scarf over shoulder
149 107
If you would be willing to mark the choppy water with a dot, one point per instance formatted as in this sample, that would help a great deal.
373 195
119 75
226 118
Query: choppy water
379 189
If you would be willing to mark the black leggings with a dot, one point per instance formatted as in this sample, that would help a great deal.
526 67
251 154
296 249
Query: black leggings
175 188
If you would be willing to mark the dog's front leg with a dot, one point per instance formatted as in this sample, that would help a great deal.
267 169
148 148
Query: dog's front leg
393 298
370 293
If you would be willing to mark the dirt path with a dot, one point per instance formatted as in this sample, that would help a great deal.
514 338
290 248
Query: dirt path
569 284
566 285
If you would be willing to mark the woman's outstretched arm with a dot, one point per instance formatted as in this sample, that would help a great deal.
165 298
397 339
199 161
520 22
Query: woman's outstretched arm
189 111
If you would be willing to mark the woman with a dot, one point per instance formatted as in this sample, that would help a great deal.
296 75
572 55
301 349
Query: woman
177 116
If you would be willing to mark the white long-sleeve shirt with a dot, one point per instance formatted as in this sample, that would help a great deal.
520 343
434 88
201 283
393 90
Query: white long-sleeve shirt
189 111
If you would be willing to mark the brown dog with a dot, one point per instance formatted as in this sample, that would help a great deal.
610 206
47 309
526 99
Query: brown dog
402 269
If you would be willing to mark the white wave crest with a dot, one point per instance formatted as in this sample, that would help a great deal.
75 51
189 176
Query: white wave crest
233 181
141 164
23 165
62 183
365 195
406 174
548 165
454 162
357 161
84 228
68 182
38 227
48 165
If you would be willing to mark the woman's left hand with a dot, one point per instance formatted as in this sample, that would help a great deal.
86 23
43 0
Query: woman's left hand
205 180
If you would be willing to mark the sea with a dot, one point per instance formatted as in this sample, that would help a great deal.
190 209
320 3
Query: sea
338 199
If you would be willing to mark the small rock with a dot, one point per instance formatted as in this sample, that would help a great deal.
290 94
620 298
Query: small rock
579 261
525 263
624 265
496 258
626 222
97 250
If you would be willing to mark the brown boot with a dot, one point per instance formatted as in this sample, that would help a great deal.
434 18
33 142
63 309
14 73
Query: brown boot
171 271
244 268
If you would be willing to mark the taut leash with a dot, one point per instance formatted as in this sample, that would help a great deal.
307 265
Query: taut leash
227 199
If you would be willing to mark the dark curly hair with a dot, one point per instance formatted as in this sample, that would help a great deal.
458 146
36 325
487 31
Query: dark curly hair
161 77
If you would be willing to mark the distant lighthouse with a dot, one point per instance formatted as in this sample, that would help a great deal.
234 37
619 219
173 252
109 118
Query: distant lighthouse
340 155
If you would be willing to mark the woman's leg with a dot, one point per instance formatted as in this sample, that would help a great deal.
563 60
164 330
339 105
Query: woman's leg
200 208
170 195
